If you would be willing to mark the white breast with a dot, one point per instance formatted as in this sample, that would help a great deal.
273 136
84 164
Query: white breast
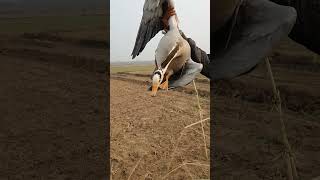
168 41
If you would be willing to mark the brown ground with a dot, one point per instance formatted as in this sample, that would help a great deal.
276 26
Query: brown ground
52 106
246 140
148 129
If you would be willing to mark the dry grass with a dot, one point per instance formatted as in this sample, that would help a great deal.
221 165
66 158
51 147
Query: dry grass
135 167
185 164
184 133
289 156
201 118
177 162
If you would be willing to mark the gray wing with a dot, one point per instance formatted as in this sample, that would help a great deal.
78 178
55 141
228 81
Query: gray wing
188 74
150 24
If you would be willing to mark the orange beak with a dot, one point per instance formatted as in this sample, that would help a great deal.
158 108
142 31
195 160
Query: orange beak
154 89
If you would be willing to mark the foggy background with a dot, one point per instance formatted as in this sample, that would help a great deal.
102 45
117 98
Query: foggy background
125 17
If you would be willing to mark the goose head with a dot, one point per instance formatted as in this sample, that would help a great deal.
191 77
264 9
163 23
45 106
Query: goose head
157 78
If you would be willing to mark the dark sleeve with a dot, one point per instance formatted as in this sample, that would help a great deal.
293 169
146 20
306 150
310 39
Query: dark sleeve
260 24
307 28
198 55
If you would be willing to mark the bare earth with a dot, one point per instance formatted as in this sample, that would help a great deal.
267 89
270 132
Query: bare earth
52 107
246 141
146 131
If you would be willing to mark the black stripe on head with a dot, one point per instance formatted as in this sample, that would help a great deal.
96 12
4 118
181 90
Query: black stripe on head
158 72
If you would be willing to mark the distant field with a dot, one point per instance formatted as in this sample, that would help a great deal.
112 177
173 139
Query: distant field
52 23
143 69
132 68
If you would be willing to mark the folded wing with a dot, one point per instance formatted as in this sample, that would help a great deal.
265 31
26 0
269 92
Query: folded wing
150 24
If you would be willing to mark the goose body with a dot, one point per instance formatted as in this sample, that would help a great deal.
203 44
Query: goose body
173 53
172 49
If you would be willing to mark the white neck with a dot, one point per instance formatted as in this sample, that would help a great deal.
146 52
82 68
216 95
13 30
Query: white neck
171 3
173 24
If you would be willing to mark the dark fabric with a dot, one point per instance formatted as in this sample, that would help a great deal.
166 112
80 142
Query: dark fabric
221 12
259 25
307 28
187 75
306 31
198 55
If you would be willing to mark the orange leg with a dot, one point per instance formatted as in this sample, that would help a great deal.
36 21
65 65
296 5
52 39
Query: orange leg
165 84
170 12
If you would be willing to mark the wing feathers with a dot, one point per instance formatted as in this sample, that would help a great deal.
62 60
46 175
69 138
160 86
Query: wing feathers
150 24
150 5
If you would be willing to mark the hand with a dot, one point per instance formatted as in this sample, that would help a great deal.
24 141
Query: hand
198 55
170 12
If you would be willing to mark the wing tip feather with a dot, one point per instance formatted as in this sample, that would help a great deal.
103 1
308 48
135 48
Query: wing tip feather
145 32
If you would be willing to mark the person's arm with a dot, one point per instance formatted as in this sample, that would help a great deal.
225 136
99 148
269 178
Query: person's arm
198 55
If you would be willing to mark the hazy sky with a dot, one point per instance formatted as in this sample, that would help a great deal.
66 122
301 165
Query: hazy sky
125 17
